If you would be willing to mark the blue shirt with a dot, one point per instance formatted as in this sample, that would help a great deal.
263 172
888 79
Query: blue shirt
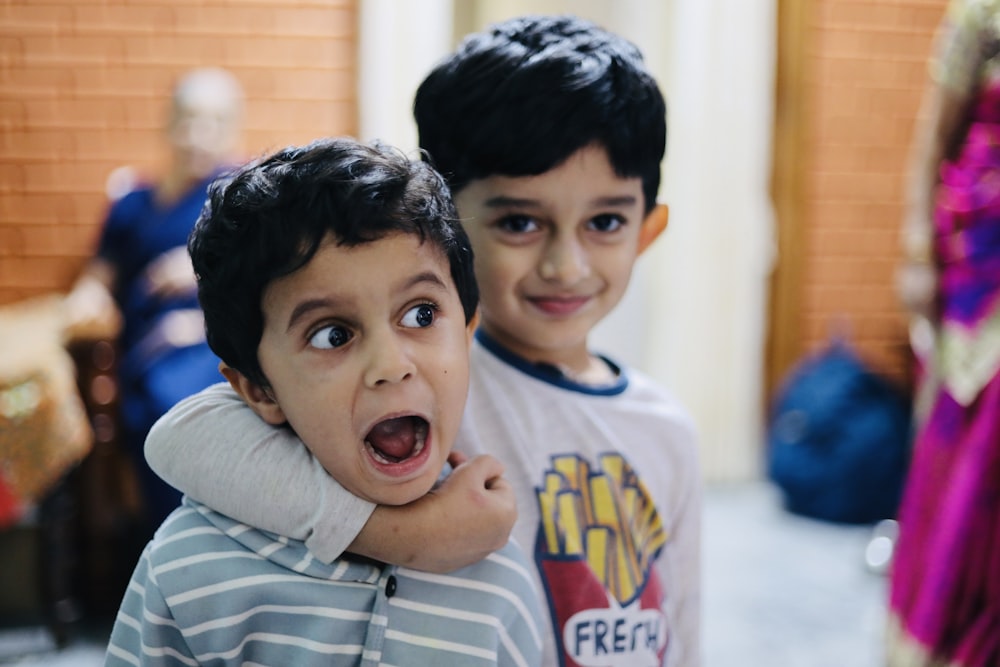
210 589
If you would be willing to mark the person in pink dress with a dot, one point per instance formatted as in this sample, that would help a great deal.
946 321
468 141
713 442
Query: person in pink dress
945 576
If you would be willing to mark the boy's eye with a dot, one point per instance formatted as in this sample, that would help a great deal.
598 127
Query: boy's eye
330 337
419 316
607 222
517 224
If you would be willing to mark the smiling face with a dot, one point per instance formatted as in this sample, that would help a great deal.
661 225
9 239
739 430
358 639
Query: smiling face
367 353
554 253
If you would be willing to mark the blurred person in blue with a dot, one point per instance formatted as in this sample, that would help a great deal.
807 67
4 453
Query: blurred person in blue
140 288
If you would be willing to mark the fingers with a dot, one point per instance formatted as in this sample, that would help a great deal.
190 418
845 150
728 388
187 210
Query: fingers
498 483
491 471
486 466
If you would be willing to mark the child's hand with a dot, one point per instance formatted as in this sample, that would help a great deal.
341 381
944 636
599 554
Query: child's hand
459 523
476 510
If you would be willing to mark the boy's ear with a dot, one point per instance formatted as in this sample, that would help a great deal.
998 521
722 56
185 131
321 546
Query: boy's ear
258 398
653 225
470 328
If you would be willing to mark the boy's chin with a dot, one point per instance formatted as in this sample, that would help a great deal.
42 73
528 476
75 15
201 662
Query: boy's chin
412 492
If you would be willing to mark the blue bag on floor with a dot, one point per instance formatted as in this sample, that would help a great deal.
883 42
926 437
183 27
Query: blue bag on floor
838 439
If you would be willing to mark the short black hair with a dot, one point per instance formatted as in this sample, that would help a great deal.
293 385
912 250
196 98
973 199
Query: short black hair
522 96
268 218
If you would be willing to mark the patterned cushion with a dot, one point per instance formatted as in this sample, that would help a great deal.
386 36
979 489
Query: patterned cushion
44 429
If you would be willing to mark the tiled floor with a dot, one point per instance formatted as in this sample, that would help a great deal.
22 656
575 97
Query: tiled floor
779 591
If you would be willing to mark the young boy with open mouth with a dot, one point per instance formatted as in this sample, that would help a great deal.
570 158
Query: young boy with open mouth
338 290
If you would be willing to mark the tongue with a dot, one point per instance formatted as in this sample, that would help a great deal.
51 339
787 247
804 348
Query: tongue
394 438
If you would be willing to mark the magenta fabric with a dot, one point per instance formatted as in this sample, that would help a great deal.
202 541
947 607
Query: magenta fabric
945 582
945 587
967 219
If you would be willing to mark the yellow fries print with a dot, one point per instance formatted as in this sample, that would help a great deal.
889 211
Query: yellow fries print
606 516
599 537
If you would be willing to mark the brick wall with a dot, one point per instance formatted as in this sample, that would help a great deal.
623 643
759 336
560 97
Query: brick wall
83 90
867 68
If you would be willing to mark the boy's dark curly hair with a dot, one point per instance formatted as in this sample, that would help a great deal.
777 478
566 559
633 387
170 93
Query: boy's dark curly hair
268 218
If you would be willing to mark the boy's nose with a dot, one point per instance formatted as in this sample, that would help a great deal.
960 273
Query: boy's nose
565 262
388 361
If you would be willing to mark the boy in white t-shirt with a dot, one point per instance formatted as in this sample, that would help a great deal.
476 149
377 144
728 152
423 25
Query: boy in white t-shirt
550 132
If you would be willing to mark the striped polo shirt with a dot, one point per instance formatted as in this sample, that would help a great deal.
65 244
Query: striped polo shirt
210 590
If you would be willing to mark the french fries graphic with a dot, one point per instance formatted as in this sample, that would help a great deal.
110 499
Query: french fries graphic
603 516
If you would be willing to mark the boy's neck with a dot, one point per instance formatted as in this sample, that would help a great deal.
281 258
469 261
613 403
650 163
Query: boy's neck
598 372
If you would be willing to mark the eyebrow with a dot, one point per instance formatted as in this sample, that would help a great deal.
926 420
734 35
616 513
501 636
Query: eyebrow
614 201
300 310
425 277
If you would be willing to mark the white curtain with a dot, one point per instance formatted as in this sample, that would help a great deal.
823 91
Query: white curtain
399 42
695 314
709 274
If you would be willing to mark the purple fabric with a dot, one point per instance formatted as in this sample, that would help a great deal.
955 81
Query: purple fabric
946 577
967 218
945 583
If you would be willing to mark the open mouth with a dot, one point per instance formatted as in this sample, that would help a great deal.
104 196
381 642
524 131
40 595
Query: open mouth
396 440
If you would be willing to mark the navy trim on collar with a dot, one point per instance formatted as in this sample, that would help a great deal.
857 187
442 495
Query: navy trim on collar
550 374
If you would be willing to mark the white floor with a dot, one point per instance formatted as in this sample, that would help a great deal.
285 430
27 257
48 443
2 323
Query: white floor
786 591
779 591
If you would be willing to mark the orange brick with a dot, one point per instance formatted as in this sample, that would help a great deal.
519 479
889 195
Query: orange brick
309 84
83 87
250 20
24 271
35 18
123 20
143 114
133 79
78 240
88 114
45 80
12 177
70 177
324 22
90 48
40 240
289 52
11 241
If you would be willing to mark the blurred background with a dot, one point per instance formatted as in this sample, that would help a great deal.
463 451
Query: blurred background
788 133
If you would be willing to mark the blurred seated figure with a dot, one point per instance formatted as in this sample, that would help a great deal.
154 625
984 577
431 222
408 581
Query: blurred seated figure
139 288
